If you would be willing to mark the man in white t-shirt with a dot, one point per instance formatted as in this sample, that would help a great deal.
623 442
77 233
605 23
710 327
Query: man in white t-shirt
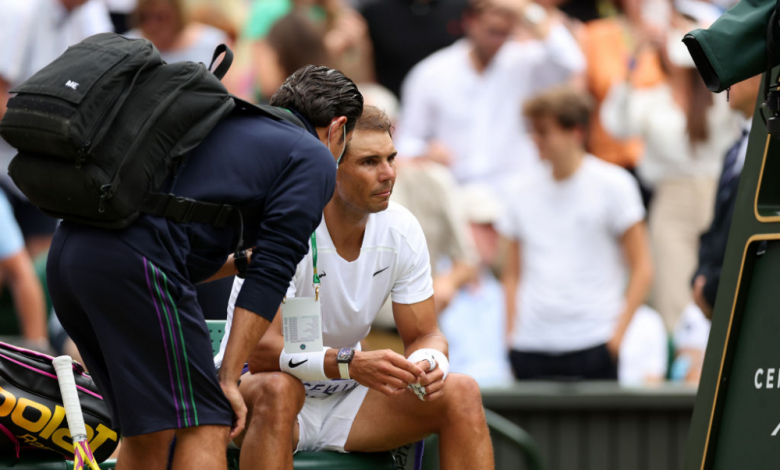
459 105
345 399
579 263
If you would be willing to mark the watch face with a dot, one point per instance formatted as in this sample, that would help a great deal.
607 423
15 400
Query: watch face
344 354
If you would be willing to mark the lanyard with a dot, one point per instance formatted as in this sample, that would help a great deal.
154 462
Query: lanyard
316 279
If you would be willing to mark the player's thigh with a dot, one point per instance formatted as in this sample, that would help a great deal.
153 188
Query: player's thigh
385 423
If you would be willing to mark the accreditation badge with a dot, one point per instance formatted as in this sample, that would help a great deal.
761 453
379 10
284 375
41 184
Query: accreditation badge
302 324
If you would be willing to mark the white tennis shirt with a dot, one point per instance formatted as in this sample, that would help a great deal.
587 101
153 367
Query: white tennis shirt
393 261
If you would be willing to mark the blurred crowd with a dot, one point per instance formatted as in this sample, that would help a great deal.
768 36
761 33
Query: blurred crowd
572 174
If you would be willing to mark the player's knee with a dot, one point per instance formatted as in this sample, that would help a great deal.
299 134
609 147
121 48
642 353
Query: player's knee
278 393
464 399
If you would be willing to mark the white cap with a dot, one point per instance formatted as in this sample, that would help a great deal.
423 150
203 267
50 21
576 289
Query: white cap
480 204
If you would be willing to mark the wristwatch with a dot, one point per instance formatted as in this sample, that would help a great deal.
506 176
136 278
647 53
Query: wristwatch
242 263
344 357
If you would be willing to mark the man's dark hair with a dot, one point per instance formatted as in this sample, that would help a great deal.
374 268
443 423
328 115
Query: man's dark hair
320 93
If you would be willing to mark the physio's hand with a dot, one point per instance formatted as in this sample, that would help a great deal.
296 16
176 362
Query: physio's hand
385 371
239 408
433 381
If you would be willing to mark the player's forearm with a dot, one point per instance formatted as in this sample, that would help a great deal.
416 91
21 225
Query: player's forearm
265 356
430 341
245 333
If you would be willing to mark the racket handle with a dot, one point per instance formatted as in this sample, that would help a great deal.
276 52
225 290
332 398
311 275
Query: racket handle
63 366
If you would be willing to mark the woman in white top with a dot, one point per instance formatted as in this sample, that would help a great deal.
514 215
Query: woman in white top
686 131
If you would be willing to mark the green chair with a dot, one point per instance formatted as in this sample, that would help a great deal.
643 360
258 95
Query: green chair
310 460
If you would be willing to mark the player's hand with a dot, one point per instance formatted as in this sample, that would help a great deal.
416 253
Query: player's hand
433 381
385 371
239 408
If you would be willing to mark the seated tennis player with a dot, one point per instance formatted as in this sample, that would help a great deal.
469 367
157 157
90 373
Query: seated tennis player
344 399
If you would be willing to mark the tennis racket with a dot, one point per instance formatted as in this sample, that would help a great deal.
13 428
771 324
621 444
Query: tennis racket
82 454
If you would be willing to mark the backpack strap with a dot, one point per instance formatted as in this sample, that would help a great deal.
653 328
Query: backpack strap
273 112
227 61
183 210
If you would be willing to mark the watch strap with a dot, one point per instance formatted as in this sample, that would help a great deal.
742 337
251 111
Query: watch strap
241 262
344 370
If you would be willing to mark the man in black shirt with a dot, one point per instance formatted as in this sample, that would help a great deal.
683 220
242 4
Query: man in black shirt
127 298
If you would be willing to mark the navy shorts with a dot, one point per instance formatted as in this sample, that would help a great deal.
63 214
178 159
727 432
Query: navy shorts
140 330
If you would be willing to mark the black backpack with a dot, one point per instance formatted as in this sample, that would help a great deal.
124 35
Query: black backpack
100 129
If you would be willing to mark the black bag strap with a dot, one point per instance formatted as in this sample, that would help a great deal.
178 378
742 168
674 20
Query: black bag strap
273 112
227 61
183 210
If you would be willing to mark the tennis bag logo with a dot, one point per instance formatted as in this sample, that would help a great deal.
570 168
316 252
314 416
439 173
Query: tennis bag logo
31 412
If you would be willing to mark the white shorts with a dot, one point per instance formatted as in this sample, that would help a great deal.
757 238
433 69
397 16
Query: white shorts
324 423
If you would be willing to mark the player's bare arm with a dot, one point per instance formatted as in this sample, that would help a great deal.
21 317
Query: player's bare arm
384 371
418 329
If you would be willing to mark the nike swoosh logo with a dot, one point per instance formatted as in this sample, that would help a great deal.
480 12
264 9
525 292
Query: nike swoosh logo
379 271
293 365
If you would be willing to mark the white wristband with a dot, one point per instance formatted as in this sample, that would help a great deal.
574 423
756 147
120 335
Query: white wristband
305 366
434 357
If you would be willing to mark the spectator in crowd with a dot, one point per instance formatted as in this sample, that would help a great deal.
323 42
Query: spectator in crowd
32 34
690 338
475 321
579 263
644 352
404 32
17 271
120 11
607 43
344 32
292 42
692 330
460 104
167 25
686 131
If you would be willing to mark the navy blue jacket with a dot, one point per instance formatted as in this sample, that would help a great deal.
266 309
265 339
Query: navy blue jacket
279 174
